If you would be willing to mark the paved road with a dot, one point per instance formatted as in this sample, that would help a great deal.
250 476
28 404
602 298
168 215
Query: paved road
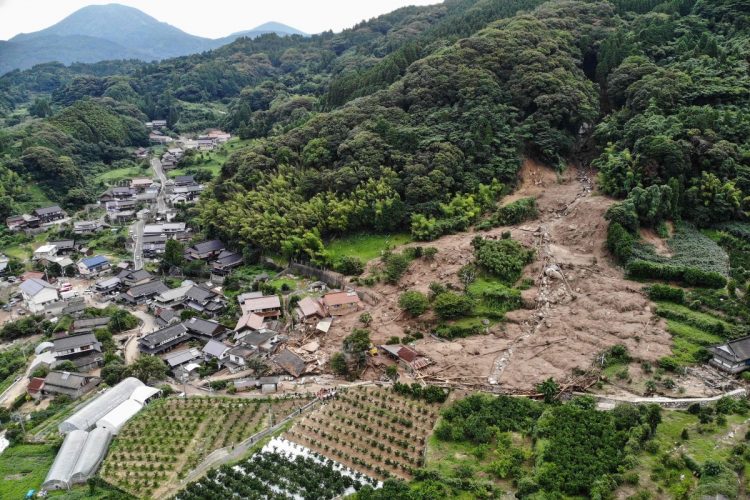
161 202
138 244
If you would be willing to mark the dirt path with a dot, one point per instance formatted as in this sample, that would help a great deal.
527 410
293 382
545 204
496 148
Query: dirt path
579 305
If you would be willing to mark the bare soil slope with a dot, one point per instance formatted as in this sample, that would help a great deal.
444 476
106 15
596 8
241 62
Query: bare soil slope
579 306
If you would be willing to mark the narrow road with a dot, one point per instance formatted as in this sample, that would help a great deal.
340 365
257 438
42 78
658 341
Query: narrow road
161 202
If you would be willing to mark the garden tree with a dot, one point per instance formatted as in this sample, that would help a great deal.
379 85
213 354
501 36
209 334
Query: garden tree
413 302
549 389
392 372
174 255
122 320
450 305
365 318
356 346
467 274
338 364
147 369
711 200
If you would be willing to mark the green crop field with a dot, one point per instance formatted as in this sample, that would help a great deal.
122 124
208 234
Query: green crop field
23 467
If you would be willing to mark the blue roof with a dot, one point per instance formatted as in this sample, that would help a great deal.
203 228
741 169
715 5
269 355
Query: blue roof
96 260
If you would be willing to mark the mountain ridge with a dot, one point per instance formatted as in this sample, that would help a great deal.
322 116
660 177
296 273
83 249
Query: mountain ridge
114 31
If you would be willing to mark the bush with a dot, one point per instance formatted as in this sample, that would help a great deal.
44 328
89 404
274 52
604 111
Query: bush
413 302
504 258
350 266
395 266
515 212
658 291
449 305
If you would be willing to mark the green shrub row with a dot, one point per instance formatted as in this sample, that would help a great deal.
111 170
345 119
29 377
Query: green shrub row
620 242
689 275
715 327
657 291
457 331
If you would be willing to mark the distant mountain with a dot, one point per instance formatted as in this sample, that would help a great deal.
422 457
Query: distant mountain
98 32
263 29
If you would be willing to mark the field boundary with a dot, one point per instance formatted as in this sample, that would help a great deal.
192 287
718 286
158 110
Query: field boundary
231 453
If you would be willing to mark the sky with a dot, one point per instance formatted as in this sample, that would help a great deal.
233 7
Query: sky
212 18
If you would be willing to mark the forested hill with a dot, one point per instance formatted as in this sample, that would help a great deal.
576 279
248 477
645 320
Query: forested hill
415 120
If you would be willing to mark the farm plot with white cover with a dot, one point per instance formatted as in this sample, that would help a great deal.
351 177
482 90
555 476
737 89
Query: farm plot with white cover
282 469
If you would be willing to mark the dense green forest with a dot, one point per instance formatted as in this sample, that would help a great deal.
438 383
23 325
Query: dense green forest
408 120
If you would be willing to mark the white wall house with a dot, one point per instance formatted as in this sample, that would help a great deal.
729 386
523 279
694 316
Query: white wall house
37 293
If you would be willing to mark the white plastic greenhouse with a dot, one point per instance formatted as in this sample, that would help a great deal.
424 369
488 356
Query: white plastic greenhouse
86 418
91 455
115 419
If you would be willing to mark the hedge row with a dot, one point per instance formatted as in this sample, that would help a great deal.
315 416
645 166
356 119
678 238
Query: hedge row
620 242
658 291
689 275
715 327
457 332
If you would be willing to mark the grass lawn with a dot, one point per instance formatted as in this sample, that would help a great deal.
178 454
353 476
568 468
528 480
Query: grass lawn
365 246
37 199
121 173
687 340
23 467
213 166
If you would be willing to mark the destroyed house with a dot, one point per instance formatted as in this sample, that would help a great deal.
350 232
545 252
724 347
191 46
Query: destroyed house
290 363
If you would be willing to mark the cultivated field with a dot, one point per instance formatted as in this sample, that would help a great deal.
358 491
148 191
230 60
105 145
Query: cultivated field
168 439
372 430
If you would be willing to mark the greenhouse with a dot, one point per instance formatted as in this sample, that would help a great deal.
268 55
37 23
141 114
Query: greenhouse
59 474
86 418
91 455
145 394
80 455
115 419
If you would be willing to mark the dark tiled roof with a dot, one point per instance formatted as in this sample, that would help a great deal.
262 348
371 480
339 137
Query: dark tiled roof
204 327
48 210
207 246
73 341
150 288
160 336
739 349
290 362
